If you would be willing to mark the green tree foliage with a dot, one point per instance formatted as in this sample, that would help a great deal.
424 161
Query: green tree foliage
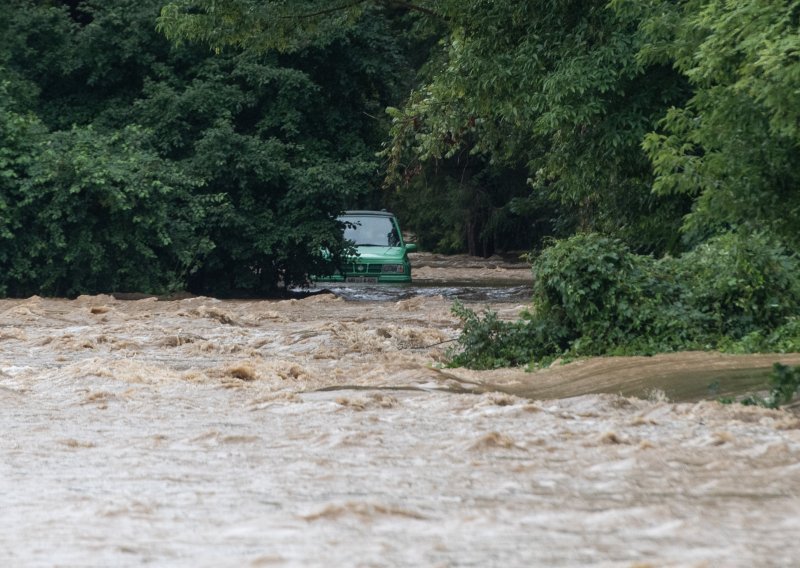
282 25
81 211
598 103
248 155
593 296
735 145
569 90
20 134
523 119
551 87
464 204
555 87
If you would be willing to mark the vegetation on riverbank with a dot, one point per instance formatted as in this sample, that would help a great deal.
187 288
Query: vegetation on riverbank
648 153
593 296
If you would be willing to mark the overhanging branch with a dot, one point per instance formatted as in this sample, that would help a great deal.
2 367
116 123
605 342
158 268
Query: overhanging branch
328 10
413 7
398 3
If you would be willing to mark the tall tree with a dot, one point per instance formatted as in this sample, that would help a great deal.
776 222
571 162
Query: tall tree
734 146
282 25
83 212
552 86
270 146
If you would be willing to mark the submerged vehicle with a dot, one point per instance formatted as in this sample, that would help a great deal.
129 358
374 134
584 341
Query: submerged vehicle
382 256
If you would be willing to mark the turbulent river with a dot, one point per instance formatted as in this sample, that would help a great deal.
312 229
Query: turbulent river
324 431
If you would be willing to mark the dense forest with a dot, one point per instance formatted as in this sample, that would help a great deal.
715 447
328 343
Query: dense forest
207 145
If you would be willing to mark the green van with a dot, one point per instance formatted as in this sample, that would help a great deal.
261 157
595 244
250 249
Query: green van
382 256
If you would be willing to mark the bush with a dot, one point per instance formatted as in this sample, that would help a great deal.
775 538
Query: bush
742 283
488 342
593 296
91 212
593 287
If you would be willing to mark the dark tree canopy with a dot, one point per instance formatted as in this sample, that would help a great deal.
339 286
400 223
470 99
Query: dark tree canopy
210 143
140 165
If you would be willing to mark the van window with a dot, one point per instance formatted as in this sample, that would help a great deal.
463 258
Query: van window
370 231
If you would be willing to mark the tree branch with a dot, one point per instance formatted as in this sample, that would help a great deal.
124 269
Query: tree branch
327 11
413 7
398 3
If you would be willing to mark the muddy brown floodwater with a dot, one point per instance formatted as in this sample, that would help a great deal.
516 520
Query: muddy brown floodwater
323 432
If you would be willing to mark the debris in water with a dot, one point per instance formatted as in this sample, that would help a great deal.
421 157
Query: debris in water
72 443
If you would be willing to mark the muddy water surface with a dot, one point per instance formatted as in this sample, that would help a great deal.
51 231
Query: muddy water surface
322 432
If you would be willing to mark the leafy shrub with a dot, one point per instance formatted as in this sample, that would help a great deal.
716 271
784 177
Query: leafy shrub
587 281
94 212
593 296
784 339
484 340
597 290
488 342
742 283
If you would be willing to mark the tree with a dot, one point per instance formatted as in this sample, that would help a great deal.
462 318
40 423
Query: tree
555 87
285 26
83 212
19 136
296 146
734 146
259 151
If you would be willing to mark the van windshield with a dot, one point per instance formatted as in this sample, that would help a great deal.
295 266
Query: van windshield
370 230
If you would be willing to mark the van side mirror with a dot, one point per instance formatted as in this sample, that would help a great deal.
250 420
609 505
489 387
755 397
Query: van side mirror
411 247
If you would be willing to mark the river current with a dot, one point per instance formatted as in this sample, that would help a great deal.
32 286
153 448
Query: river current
326 431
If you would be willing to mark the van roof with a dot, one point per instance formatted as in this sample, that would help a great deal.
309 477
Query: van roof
365 213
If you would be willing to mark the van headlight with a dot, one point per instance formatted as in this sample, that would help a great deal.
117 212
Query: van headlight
393 268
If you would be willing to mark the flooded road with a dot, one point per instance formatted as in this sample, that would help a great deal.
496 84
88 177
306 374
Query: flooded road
324 432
